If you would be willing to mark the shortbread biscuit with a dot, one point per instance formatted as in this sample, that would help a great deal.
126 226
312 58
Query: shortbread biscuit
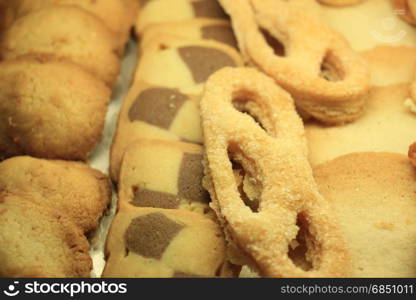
146 242
50 109
288 41
340 2
391 64
160 11
260 181
37 242
155 112
205 29
373 196
70 188
183 64
118 15
371 23
65 32
387 125
163 174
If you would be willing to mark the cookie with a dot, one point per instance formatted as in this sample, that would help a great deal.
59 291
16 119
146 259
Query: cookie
37 242
387 125
162 174
50 109
373 196
148 242
119 16
205 29
161 11
376 22
64 32
70 188
155 112
183 64
383 59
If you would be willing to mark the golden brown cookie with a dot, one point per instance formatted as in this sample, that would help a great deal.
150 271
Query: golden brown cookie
50 109
373 196
38 242
163 174
70 188
185 64
260 181
198 29
64 32
288 41
387 125
155 112
161 11
118 15
148 242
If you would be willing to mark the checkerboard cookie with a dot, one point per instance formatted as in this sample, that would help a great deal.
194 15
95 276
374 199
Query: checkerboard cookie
205 29
50 109
183 64
70 188
148 242
163 174
118 15
373 196
386 125
160 11
64 32
38 242
155 112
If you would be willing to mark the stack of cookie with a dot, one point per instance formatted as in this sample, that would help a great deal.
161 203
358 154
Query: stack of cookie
60 60
164 226
47 211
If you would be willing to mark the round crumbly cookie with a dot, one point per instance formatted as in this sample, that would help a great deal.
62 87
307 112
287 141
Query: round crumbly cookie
147 242
160 11
184 64
163 174
376 22
118 15
340 2
155 112
198 29
373 196
383 59
65 32
387 125
70 188
50 109
36 242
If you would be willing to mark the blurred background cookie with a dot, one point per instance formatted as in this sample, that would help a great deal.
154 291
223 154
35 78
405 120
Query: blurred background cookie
67 33
37 242
50 109
373 196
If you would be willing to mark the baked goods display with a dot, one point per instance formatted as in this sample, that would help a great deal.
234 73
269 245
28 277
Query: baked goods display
47 209
244 138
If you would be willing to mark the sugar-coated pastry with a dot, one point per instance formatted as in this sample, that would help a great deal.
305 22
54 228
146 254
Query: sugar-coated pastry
160 11
205 29
163 174
185 64
70 188
155 112
37 242
260 181
373 196
148 242
64 32
391 64
118 15
50 109
386 125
